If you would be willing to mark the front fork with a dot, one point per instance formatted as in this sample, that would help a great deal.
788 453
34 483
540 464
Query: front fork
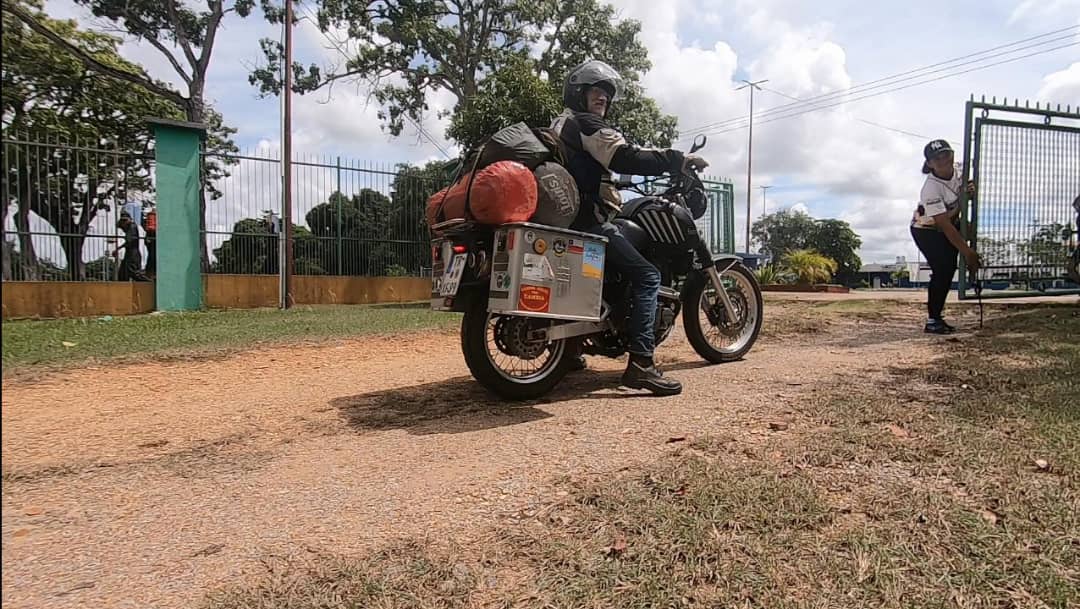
713 273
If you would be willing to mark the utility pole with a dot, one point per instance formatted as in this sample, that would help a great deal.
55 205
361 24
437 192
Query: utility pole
763 189
286 166
750 152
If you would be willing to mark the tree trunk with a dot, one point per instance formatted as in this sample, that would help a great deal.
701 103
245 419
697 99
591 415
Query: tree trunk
31 270
73 248
6 254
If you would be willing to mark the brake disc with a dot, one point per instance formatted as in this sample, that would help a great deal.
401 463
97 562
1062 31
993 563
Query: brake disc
728 327
512 338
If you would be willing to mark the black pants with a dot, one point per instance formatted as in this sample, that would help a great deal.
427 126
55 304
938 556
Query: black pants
151 256
131 267
941 255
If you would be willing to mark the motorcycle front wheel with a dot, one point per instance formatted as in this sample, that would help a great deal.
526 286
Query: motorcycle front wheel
503 359
711 333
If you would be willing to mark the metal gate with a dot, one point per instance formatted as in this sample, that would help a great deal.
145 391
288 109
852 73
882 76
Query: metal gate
1025 162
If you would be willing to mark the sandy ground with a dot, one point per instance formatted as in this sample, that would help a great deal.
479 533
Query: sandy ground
147 485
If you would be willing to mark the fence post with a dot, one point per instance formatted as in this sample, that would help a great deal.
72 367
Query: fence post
179 284
338 165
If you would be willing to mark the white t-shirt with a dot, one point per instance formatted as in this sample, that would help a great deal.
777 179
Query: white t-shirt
938 197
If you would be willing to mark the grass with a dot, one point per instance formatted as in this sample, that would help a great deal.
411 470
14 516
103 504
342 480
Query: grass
949 484
34 344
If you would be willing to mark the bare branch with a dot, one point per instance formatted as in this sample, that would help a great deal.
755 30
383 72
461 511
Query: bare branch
181 36
172 59
208 41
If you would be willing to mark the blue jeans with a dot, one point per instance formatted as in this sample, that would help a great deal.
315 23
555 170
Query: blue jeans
645 282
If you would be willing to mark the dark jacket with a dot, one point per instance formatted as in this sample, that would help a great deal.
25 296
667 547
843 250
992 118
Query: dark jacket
594 150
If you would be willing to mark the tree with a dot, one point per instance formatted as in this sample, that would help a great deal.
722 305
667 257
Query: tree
786 231
482 52
808 266
183 35
353 233
51 97
1047 247
253 248
834 239
781 232
997 252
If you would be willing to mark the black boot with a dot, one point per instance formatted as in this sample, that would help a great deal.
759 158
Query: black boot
641 373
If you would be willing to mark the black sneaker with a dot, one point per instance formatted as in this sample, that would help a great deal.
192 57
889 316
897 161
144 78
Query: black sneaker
938 327
639 377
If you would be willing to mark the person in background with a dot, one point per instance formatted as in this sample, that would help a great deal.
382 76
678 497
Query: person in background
131 267
150 226
935 228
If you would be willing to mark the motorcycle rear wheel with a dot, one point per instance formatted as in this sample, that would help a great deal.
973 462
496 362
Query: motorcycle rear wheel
493 343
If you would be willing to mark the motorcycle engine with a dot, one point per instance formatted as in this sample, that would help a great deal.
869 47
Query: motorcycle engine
667 309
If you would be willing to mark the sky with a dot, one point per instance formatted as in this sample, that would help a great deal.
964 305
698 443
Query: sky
858 161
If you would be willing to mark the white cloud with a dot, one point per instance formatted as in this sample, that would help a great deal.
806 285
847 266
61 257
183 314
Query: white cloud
1062 87
1043 11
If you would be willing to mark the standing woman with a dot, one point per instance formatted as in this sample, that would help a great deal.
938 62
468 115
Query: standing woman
935 228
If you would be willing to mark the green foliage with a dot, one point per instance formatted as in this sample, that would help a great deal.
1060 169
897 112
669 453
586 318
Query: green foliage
483 52
365 234
781 232
1046 247
808 266
786 231
76 90
835 240
50 96
772 274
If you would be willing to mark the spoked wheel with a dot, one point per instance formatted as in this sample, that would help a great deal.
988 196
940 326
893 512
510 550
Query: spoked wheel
505 359
714 334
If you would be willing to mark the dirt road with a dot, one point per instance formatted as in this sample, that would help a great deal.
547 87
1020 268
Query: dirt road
147 485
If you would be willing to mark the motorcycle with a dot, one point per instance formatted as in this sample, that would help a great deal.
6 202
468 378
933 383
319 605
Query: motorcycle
523 351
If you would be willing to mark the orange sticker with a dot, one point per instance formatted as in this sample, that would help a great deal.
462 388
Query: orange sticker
534 298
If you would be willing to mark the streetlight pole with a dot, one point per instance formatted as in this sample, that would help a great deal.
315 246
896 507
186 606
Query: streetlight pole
763 189
750 152
286 166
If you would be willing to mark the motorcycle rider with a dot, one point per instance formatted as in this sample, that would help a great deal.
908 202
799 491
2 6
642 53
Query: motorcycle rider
594 150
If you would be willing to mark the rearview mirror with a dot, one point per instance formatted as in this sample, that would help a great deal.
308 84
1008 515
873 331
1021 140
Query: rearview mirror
699 143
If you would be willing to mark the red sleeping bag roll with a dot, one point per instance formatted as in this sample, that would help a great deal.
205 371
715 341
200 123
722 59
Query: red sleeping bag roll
502 192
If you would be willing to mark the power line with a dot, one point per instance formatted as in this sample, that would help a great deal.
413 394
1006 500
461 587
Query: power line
337 45
902 77
861 120
794 112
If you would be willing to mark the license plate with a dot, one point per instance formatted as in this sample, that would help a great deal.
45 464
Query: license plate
452 276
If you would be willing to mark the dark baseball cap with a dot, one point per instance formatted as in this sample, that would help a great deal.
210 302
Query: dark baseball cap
935 148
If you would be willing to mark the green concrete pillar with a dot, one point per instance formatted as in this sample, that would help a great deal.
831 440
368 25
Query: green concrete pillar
179 284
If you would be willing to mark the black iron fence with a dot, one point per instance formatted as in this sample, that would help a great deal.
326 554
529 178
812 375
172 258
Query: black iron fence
349 217
63 200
